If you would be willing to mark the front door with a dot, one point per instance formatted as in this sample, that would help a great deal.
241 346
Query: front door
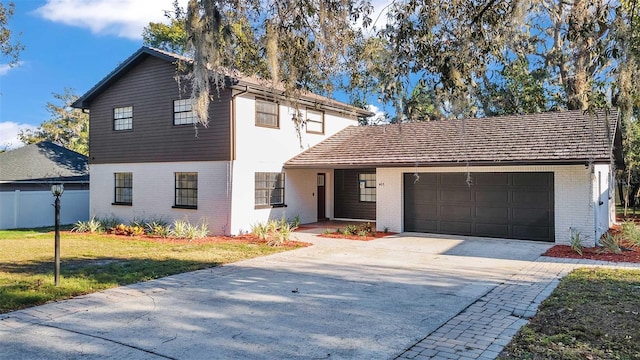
321 197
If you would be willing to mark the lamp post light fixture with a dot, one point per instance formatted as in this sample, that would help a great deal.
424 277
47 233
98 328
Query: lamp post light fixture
57 190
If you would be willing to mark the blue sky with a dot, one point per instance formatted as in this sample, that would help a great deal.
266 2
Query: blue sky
68 44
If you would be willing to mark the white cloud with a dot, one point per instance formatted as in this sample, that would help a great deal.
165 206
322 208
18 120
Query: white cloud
4 68
380 13
127 18
9 134
380 116
123 18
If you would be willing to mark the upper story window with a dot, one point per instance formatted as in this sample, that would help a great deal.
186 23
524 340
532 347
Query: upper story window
123 118
315 122
183 113
269 189
267 113
186 190
367 187
123 188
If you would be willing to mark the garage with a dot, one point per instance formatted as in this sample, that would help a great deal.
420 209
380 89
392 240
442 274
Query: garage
513 205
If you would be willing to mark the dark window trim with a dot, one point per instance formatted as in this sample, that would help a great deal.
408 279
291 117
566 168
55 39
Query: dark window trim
116 187
113 118
322 122
184 207
176 188
173 112
274 205
367 187
277 113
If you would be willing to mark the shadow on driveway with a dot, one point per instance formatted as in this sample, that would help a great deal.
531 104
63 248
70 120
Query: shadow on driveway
337 299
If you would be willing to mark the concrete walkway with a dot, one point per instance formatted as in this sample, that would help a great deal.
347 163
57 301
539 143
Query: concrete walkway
338 299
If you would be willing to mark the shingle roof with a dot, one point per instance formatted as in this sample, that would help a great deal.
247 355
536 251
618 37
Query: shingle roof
249 83
552 137
44 161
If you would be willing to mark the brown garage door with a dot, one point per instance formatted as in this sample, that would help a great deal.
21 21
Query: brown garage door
504 205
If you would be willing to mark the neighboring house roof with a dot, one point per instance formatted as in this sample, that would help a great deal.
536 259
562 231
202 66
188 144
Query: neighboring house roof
545 138
43 162
237 81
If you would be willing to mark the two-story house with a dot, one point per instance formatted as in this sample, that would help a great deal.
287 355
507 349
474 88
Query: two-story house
544 177
149 158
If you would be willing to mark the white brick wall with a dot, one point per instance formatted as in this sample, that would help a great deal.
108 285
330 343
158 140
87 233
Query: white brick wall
153 192
573 195
262 149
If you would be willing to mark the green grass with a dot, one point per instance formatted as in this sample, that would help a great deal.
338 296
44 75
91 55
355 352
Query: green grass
592 314
91 262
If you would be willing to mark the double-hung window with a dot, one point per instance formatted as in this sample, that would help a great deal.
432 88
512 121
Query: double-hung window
186 190
269 189
315 122
123 189
267 113
183 113
123 118
367 187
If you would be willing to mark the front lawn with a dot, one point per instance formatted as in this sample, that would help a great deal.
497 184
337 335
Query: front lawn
92 262
593 314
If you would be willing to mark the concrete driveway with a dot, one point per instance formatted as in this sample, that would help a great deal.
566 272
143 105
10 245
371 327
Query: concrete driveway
338 299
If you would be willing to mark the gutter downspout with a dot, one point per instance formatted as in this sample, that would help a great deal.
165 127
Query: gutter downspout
232 140
596 206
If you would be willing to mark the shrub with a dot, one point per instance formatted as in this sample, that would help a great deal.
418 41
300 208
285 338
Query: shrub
631 233
296 222
281 235
109 223
275 232
130 230
260 230
179 229
197 231
367 228
611 243
272 226
350 229
576 240
158 228
184 230
92 225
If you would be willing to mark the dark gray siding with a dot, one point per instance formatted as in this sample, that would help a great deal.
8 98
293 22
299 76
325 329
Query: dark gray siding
347 196
150 88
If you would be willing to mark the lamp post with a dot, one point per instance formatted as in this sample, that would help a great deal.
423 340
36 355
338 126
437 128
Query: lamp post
57 190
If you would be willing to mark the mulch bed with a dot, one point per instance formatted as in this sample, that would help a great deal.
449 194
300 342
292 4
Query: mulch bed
628 254
337 235
593 253
240 239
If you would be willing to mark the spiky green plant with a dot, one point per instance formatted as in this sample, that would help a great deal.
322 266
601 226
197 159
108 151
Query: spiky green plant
92 225
611 243
576 241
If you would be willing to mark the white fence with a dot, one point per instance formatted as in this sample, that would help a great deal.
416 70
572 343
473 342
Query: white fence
27 209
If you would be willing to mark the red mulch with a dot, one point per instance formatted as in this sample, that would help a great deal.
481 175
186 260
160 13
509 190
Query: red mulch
594 253
241 239
628 254
337 235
